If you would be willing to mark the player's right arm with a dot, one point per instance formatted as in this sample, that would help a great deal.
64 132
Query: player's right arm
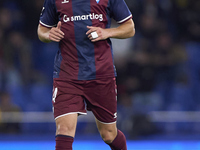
47 35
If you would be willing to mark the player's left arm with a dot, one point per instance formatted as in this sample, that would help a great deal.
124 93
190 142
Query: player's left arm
124 30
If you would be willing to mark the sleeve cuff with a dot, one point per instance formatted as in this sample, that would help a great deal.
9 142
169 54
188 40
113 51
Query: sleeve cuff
45 25
125 19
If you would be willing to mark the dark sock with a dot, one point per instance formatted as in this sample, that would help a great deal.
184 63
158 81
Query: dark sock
119 143
64 142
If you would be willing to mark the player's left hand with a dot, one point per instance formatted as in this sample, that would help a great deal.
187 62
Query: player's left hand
101 33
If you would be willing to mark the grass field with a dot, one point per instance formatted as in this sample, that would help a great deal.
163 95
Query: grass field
94 142
99 145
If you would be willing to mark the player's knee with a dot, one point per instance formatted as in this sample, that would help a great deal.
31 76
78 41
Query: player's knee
65 130
107 135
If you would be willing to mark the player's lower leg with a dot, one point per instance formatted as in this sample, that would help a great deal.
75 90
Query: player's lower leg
112 136
65 131
119 143
64 142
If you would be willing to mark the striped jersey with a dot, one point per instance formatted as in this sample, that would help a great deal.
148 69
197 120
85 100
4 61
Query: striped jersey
78 58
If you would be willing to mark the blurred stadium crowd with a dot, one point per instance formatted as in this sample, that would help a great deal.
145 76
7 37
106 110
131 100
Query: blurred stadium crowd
158 69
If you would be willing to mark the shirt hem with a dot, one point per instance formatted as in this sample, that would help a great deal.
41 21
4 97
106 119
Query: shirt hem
90 78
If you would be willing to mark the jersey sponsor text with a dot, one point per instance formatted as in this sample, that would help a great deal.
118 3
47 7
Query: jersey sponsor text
83 17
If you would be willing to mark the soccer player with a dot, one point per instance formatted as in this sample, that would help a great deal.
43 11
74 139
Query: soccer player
84 72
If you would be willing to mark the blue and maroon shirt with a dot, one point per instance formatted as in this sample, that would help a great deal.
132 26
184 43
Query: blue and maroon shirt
78 58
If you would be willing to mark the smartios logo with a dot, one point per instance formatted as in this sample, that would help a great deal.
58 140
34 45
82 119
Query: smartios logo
83 17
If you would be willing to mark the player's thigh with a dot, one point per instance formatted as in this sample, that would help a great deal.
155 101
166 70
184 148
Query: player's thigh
66 125
67 98
101 99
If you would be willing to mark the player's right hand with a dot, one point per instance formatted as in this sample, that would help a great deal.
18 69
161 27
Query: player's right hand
55 34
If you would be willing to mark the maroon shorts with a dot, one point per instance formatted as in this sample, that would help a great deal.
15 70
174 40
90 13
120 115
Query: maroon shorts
74 96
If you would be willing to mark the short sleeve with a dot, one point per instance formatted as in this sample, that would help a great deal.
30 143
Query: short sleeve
49 16
120 11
